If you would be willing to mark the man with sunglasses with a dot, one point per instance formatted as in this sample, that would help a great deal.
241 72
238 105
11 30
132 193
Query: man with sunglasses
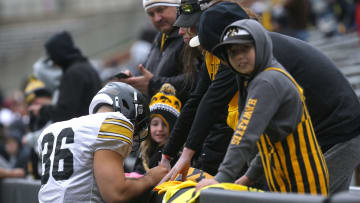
164 63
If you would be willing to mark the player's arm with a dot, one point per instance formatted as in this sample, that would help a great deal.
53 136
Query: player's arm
110 177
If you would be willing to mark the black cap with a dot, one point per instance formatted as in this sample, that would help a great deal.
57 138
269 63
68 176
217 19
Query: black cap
188 20
190 13
214 20
232 35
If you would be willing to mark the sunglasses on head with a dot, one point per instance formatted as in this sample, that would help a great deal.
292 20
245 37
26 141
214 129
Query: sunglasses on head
189 9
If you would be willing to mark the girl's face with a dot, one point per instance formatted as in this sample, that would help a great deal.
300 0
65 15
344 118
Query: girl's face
187 33
158 130
242 58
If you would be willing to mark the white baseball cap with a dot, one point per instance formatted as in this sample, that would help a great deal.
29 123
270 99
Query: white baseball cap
194 42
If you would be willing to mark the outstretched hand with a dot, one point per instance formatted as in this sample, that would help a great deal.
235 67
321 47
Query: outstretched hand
181 167
140 82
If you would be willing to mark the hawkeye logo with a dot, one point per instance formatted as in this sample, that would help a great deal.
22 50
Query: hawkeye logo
245 119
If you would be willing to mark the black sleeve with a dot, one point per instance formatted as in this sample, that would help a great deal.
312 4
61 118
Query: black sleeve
70 99
185 120
214 103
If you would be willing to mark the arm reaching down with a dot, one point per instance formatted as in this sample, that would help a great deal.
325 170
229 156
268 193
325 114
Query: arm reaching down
110 177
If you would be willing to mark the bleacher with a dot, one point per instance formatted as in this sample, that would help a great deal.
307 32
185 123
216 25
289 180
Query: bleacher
345 52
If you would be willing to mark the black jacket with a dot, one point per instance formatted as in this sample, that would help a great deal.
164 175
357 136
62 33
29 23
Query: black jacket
202 122
166 65
332 103
79 83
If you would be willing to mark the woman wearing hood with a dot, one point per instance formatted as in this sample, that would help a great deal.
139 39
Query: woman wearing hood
274 119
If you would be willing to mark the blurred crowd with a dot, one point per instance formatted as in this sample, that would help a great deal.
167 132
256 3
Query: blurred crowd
295 17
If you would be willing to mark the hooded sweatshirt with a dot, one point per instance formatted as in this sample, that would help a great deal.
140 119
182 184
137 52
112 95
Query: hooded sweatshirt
275 119
79 81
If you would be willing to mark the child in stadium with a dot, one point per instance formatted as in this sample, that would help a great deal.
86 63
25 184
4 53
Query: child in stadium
164 110
274 118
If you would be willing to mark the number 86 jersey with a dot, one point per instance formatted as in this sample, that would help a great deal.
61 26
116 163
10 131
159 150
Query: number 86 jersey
67 150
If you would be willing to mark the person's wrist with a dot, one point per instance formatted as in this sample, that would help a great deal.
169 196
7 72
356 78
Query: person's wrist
166 157
187 153
149 179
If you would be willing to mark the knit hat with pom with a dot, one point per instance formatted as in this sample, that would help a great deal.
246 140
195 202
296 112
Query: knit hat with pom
166 105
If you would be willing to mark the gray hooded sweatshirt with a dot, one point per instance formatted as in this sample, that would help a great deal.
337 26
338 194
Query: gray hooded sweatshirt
273 121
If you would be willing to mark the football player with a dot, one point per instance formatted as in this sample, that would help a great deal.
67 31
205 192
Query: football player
82 158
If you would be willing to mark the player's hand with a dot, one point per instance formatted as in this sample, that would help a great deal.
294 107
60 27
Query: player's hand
182 166
205 182
244 180
156 174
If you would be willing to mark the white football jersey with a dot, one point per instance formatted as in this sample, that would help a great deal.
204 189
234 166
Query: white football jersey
67 150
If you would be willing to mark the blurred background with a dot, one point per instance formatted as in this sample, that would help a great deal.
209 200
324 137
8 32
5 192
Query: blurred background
103 28
100 28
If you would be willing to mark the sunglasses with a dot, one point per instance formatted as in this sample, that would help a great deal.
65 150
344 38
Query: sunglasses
189 9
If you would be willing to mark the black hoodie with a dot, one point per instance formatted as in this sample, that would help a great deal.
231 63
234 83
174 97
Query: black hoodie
205 112
79 83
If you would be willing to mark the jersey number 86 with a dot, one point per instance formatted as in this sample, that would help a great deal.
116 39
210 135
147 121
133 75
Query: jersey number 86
61 155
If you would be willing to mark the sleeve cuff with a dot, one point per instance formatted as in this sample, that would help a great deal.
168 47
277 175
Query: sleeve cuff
222 177
153 86
253 173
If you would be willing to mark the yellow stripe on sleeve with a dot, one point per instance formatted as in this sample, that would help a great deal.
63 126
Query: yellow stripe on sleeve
115 137
116 129
120 121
